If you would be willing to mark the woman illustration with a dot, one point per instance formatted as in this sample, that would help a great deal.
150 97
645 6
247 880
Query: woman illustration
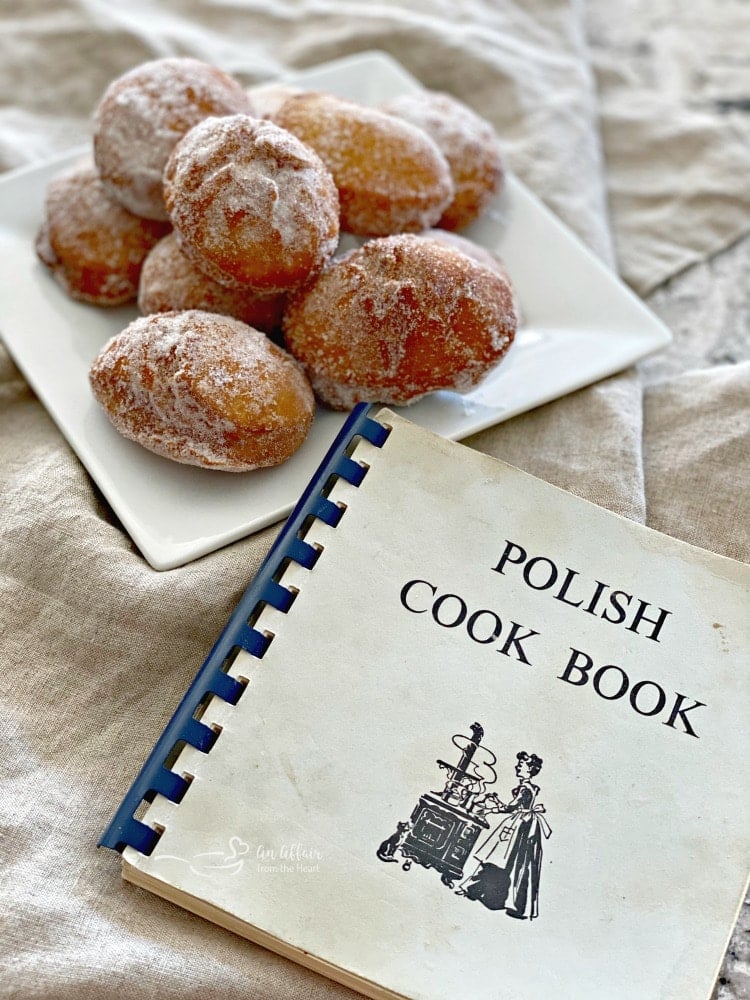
510 858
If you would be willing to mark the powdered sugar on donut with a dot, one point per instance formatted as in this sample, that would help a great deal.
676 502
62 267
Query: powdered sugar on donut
391 177
467 141
93 246
251 204
398 318
479 253
144 113
205 390
170 280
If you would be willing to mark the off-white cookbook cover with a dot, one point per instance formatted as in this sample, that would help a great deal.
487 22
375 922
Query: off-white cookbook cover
496 748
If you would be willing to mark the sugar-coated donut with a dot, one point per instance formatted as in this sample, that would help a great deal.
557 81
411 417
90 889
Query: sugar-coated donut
170 281
251 204
467 141
391 176
397 318
204 390
94 247
143 114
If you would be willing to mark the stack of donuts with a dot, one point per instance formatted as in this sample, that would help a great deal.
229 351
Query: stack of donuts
220 210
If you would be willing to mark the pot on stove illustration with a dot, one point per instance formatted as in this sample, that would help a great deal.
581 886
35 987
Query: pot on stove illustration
444 828
445 825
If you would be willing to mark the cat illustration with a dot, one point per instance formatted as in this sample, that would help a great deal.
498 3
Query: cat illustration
387 849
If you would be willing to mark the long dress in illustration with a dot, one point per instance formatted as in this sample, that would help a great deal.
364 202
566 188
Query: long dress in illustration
511 856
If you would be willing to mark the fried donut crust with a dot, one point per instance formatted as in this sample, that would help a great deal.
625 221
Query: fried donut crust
398 318
171 281
205 390
94 247
469 144
251 204
144 113
391 177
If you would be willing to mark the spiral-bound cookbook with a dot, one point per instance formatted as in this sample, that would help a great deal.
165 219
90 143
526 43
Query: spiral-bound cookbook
465 736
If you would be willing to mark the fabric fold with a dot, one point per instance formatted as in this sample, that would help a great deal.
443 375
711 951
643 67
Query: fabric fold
675 131
697 458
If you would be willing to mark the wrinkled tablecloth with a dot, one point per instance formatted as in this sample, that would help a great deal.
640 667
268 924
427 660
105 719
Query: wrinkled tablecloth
630 121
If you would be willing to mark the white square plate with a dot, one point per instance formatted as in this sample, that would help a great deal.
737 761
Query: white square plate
580 323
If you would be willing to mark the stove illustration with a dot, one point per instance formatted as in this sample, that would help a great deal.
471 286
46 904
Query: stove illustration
444 825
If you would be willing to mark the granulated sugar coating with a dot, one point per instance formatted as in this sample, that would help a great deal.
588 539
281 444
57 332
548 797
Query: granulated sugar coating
144 113
480 254
391 176
92 245
205 390
398 318
257 185
468 143
251 204
170 280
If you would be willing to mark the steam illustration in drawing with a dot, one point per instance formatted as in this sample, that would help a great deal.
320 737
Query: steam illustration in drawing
486 848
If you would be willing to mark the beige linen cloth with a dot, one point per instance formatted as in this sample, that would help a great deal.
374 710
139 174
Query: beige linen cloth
97 648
